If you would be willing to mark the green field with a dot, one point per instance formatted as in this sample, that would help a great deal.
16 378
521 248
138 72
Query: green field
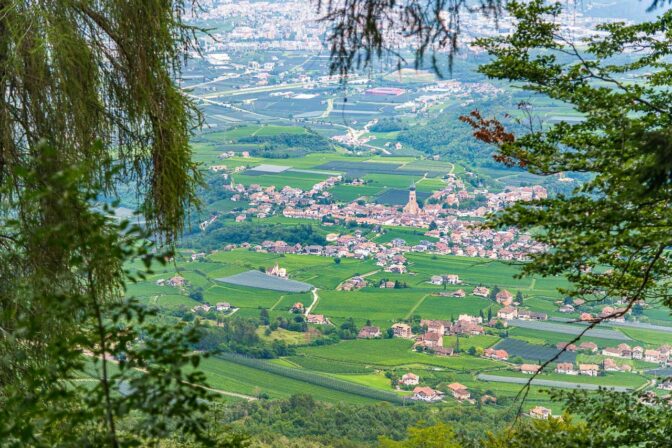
365 362
411 236
229 376
393 353
482 341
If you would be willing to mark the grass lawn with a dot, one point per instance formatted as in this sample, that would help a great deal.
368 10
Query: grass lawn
483 341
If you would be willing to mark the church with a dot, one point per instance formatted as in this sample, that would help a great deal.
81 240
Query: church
412 207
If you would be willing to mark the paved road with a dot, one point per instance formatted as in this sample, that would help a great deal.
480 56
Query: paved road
549 383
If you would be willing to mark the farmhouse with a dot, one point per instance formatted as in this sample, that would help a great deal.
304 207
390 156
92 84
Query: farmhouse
565 346
437 326
586 317
507 313
611 366
443 351
481 291
531 315
436 280
665 385
459 293
637 352
529 368
205 308
426 394
589 369
504 297
297 308
397 268
177 281
317 319
353 283
197 256
430 340
566 309
401 330
651 355
459 391
410 379
223 306
588 347
467 327
620 351
452 279
540 412
369 333
566 368
502 355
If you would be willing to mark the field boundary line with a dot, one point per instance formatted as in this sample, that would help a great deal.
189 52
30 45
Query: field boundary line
416 306
276 303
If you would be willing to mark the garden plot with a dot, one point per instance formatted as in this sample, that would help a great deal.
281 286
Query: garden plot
257 279
532 352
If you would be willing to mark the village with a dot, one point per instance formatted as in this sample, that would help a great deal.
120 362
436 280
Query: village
450 230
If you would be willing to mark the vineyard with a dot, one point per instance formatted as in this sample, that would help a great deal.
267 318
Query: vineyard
314 378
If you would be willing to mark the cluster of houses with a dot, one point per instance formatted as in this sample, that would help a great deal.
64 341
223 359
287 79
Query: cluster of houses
446 279
661 355
510 310
424 393
353 283
567 368
609 313
432 338
177 281
456 235
221 307
540 413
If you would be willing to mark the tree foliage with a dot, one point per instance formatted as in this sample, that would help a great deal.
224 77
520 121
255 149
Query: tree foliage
87 102
361 32
609 237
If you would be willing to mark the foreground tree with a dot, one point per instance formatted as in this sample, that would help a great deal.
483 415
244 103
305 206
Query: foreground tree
611 236
88 102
